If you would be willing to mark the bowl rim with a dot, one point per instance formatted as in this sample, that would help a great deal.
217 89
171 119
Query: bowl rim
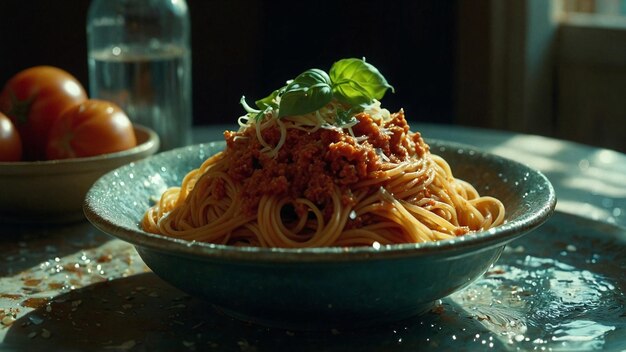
13 168
478 241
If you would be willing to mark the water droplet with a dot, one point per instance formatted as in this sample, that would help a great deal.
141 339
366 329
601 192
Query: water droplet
607 202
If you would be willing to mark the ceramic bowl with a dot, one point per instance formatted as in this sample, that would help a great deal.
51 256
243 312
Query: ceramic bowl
319 288
53 191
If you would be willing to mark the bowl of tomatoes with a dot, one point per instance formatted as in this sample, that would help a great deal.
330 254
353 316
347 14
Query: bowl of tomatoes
55 143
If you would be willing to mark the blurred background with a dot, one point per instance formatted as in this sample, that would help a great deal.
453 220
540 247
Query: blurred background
554 68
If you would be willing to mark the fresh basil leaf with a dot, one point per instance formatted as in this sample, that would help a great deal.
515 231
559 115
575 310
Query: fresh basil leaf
352 81
308 92
357 82
270 100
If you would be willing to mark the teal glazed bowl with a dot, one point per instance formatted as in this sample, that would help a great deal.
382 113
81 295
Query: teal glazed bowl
319 288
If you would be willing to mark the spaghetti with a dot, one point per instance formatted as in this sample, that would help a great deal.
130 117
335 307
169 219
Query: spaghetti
310 181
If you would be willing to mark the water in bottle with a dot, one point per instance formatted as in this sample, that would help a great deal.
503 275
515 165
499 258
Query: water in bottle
139 57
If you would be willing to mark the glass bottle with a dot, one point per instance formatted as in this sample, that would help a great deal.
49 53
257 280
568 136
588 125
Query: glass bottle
140 58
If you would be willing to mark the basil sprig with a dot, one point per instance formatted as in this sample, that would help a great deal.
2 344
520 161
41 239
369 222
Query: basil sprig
352 81
310 91
356 82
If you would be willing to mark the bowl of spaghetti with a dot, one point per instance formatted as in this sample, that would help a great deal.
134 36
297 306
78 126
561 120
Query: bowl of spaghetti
332 215
53 191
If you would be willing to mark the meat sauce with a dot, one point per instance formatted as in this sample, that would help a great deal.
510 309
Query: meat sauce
310 165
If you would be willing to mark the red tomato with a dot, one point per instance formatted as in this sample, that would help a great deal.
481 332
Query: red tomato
90 128
34 98
10 141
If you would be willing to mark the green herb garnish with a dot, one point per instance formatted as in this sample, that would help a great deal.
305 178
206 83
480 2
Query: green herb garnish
351 81
356 82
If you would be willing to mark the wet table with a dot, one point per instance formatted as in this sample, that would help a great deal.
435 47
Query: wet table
561 287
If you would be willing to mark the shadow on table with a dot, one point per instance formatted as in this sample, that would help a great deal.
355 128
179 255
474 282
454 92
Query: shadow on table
143 313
